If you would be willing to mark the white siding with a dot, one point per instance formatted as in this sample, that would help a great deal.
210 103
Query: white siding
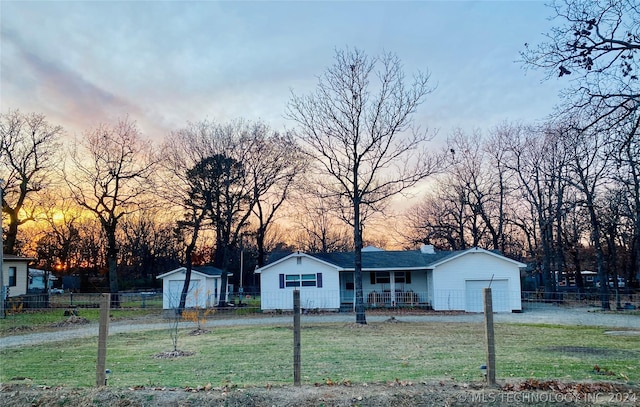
21 267
275 298
449 280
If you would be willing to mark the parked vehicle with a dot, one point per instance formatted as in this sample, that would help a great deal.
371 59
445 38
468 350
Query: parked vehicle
621 283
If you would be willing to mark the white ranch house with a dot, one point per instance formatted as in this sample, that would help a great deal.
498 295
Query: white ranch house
423 278
205 287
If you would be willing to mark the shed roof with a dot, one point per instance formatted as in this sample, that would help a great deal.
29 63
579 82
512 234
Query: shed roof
205 270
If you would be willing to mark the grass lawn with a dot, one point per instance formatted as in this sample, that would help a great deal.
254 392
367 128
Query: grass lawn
378 352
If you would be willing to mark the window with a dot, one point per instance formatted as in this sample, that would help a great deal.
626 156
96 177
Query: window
292 280
308 280
403 277
380 277
301 280
12 277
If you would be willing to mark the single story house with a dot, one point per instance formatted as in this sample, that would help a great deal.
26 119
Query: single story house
205 287
15 274
452 280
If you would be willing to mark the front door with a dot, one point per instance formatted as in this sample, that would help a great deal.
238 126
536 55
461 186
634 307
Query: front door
347 292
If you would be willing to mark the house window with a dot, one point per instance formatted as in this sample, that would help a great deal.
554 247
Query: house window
298 260
308 280
403 277
292 280
12 277
296 280
380 277
301 280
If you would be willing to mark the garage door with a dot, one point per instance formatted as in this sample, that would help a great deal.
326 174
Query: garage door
175 290
499 295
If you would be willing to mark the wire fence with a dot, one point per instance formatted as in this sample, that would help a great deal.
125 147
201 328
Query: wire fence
313 301
551 337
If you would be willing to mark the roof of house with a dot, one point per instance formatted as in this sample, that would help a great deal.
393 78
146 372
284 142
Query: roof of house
384 259
13 257
205 270
391 260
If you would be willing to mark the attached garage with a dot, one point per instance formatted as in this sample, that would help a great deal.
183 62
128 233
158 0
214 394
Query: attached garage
474 295
459 280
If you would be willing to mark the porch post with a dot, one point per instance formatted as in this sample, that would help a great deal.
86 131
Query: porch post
392 288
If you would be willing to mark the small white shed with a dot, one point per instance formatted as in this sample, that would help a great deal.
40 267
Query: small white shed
205 287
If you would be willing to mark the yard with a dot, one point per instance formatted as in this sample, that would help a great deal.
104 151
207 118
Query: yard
382 359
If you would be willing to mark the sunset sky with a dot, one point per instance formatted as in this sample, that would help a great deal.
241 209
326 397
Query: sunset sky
167 63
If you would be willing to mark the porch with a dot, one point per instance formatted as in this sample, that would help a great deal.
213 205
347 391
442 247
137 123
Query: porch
387 289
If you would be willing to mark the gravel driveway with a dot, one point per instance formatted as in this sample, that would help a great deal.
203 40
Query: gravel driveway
538 313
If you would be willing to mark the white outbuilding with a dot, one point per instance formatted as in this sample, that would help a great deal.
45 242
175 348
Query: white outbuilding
205 287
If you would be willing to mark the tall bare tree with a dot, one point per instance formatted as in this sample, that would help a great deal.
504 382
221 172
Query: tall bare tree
273 163
109 173
315 225
184 187
28 155
356 127
589 170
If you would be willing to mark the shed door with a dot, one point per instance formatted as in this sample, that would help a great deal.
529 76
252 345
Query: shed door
175 290
499 295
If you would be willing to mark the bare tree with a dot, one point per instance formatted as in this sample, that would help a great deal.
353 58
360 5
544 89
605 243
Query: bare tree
537 159
355 125
28 155
109 173
594 46
273 163
185 186
316 227
589 169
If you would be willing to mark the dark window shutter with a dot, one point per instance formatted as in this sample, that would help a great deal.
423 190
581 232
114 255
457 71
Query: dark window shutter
281 280
407 277
319 280
372 275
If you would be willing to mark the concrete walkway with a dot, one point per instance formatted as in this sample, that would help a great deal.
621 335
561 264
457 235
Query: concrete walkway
538 314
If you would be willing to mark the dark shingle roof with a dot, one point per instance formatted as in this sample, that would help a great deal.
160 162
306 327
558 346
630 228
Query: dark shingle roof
208 270
385 259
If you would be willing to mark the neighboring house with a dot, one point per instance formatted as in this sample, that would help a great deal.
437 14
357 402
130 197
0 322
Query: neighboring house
421 278
15 274
40 281
204 288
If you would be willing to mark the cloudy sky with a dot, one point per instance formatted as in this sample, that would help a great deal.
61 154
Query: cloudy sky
167 63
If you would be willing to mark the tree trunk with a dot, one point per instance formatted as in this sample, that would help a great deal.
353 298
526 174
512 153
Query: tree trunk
12 233
187 278
357 271
112 260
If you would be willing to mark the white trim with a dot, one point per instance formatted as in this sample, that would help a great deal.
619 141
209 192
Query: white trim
297 254
476 250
